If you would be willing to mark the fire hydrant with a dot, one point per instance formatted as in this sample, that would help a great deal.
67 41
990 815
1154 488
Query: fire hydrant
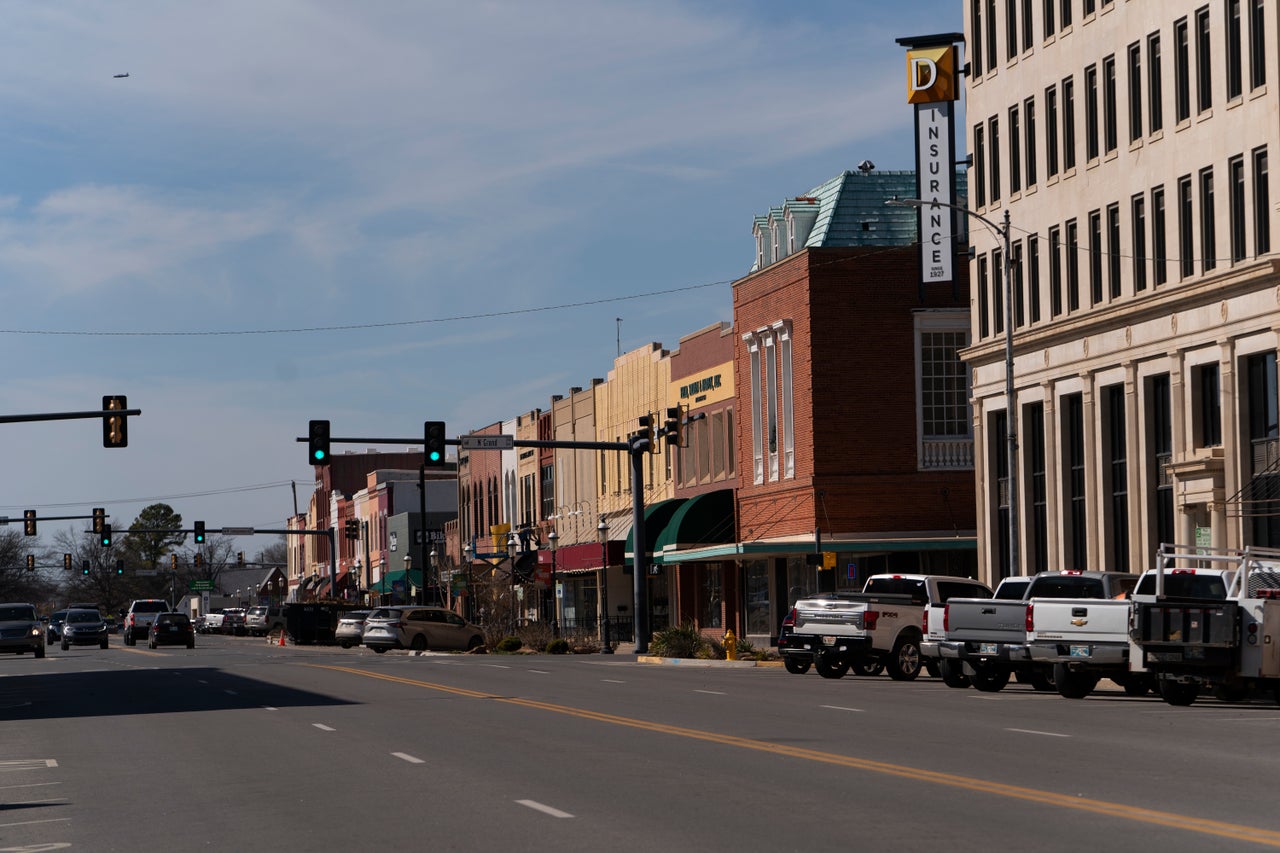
730 645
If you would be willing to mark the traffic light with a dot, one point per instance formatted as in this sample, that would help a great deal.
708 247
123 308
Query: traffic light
199 534
115 428
99 519
119 567
240 559
173 562
673 427
433 444
645 432
66 562
29 522
352 528
105 536
31 562
318 442
84 568
197 561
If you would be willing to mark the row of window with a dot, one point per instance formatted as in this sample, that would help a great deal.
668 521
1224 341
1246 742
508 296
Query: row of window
1101 101
1058 257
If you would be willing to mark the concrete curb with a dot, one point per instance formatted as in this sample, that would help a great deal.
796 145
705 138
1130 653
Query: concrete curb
699 662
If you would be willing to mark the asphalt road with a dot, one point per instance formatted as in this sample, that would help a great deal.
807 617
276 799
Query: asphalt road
239 745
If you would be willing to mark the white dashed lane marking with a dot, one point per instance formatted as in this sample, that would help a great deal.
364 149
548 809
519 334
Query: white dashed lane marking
404 756
541 807
322 727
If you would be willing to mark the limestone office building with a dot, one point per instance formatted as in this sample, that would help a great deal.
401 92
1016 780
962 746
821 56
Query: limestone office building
1129 143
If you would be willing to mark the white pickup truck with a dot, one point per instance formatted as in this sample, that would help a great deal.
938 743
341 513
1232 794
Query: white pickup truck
882 626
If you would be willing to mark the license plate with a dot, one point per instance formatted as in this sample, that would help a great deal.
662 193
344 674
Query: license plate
1079 651
828 641
986 648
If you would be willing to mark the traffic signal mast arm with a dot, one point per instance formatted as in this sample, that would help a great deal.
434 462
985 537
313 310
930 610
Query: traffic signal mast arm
66 416
455 442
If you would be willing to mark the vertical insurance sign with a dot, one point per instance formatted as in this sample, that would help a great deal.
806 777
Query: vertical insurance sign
931 87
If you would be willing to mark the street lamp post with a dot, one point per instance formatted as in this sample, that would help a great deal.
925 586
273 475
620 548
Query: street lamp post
513 545
603 528
408 576
553 538
469 611
1011 410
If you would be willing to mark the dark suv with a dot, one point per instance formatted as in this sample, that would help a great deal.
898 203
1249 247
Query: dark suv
20 630
137 622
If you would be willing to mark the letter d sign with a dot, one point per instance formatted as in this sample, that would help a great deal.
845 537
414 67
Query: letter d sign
931 75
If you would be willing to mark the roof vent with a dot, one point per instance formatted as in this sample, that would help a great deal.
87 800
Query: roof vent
866 166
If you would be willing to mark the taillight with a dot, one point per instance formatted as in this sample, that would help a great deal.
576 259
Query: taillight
924 622
869 619
1031 622
946 619
790 620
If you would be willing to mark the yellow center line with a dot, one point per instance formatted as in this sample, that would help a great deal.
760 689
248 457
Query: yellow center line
1235 831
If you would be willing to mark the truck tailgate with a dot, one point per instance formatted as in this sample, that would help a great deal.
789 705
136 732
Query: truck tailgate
1079 620
1186 622
987 620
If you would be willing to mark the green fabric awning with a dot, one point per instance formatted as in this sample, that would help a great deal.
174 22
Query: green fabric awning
706 519
656 517
385 584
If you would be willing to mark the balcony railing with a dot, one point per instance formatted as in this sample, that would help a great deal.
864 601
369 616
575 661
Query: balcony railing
944 453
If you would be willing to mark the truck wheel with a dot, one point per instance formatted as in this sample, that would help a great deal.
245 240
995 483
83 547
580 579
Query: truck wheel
932 667
828 668
1179 693
65 645
1135 686
990 679
867 667
953 673
904 662
1236 692
1071 684
1043 680
796 665
39 650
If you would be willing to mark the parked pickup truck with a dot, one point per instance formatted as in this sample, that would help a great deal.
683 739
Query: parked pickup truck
137 622
882 626
988 641
1189 638
934 625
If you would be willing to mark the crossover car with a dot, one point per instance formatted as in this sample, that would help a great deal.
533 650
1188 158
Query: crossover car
53 628
84 628
172 629
20 630
350 630
420 629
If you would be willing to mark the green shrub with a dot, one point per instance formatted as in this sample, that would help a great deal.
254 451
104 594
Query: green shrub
509 644
558 647
684 641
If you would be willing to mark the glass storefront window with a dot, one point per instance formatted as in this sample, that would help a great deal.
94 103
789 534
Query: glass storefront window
759 619
710 597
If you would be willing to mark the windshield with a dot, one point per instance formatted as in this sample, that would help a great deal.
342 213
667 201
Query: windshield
78 616
385 613
1185 585
18 613
257 611
149 607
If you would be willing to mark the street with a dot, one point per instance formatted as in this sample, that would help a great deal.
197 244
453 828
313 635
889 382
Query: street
242 745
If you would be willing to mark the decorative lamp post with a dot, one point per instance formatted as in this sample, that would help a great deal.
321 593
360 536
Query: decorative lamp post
470 609
513 546
435 574
408 568
603 529
553 538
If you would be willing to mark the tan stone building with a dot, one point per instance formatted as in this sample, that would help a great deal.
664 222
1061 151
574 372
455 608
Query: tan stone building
1128 144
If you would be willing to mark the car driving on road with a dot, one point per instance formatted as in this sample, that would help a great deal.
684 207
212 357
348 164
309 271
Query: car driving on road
172 629
20 630
84 628
420 629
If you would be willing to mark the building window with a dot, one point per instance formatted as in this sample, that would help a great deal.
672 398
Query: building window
1208 230
719 446
1029 136
771 403
993 51
1051 130
548 490
1264 412
1028 34
975 15
993 141
1011 28
1160 414
1204 59
1049 17
1015 150
711 597
998 454
1076 517
997 291
1090 6
946 422
1073 266
1235 63
1055 271
1095 257
1113 250
1033 278
1235 188
1038 534
1186 230
757 422
1155 90
979 166
1138 212
1110 121
788 417
1135 91
1118 477
1181 71
984 327
1261 204
1159 244
1257 45
1209 391
1091 113
1015 270
1065 17
1069 123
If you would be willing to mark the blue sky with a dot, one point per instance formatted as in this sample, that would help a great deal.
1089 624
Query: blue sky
371 174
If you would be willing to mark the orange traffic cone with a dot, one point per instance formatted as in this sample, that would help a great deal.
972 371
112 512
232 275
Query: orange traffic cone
282 637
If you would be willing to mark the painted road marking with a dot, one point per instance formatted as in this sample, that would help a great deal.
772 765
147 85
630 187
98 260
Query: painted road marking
29 785
841 708
969 784
540 671
322 727
27 764
545 809
407 757
612 681
712 692
30 822
1034 732
269 708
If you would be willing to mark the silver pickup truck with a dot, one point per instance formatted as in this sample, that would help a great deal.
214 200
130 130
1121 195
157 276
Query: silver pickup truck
142 613
881 627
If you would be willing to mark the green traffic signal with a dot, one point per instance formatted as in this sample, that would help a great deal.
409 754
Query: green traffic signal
433 444
105 538
199 533
318 442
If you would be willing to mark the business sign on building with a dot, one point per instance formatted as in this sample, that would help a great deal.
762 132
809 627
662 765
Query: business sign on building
931 87
714 385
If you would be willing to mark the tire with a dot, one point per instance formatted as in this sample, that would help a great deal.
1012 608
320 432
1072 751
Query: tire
128 639
830 669
1178 693
477 641
39 650
191 644
66 646
418 643
990 679
933 668
796 665
867 667
904 662
379 649
151 644
1043 680
104 644
953 674
1073 684
346 644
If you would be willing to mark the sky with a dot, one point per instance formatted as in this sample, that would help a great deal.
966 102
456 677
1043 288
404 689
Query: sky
384 213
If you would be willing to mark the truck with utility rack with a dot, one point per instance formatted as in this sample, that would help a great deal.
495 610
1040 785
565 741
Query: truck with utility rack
1190 639
881 627
1061 615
